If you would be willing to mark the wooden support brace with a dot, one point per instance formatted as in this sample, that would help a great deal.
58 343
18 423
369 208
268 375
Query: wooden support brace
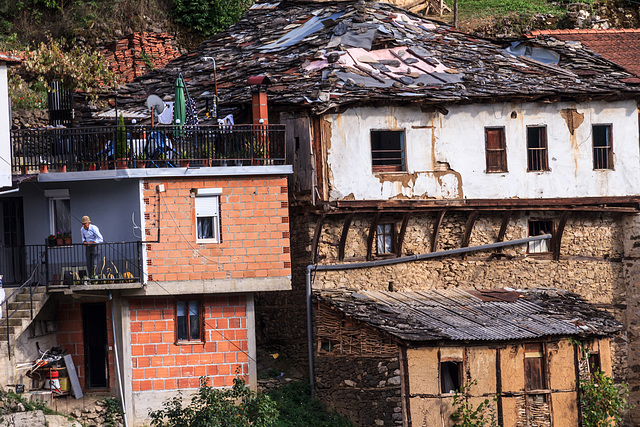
473 216
403 230
343 236
436 230
557 241
372 235
316 238
503 228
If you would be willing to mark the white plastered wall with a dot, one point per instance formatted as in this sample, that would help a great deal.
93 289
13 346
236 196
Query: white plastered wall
445 154
5 130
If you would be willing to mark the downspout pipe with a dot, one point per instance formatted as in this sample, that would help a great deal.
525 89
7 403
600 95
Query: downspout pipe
392 261
117 358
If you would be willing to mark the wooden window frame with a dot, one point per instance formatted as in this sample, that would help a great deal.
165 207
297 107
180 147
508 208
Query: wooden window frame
499 154
549 242
392 234
538 154
602 154
529 355
189 340
378 164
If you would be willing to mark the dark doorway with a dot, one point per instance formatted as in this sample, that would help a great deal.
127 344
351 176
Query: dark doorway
12 251
94 326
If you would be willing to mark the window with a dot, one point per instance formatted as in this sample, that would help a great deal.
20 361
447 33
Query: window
59 210
496 149
450 376
538 228
385 238
208 215
602 149
387 150
535 378
188 321
537 149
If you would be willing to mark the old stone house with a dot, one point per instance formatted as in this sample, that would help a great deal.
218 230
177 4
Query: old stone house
408 137
397 358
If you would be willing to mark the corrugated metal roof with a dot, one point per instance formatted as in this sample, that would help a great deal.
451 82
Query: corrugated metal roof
460 315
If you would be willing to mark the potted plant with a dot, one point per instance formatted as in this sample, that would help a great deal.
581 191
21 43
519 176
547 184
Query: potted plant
59 238
51 240
184 159
207 153
67 238
141 161
122 148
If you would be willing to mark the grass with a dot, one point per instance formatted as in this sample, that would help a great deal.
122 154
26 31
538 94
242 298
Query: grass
495 8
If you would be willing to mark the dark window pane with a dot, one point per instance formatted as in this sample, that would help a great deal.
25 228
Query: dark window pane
602 148
205 227
194 320
449 376
537 149
181 317
387 150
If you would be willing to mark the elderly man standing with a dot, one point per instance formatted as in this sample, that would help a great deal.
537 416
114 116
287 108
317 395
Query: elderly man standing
90 237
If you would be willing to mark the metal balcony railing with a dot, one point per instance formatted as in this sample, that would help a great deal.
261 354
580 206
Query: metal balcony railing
109 147
67 265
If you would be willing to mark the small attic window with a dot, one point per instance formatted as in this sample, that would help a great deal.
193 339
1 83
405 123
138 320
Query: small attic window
450 376
387 150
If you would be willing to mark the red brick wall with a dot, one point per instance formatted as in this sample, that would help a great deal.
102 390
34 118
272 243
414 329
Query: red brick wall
70 335
161 364
254 225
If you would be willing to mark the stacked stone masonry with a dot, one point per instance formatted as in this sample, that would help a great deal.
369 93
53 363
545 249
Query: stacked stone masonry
160 363
598 260
254 228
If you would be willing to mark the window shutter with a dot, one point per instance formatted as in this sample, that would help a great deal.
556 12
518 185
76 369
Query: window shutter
207 206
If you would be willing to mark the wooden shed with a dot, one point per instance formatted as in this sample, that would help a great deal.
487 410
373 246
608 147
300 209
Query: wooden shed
397 358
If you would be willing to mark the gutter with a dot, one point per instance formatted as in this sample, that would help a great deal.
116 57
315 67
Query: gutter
392 261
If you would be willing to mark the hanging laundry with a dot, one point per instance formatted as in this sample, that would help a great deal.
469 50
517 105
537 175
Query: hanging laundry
166 118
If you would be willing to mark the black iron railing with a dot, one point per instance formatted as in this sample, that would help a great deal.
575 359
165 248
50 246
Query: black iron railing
109 147
107 263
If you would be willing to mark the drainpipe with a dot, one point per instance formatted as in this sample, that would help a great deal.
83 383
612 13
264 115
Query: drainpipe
117 358
391 261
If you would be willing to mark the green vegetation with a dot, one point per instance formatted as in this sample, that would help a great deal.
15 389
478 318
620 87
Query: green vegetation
603 402
468 415
496 8
114 411
289 406
298 409
209 16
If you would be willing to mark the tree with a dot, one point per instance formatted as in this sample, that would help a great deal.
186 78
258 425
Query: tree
209 16
603 402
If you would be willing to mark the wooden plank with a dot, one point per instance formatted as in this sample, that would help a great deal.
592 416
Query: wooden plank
403 230
76 390
372 234
316 238
436 230
557 241
343 236
471 220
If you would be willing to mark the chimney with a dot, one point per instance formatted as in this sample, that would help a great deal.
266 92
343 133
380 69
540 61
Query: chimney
259 99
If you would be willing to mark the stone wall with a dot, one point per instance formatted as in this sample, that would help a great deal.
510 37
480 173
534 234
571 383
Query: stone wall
594 262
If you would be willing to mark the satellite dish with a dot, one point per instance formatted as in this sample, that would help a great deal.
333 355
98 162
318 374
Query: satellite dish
155 102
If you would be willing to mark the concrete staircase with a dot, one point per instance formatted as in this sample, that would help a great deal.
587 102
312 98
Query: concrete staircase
20 316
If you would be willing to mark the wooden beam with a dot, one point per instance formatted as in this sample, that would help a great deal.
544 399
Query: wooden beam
316 238
471 220
372 235
403 230
557 241
343 236
436 230
503 228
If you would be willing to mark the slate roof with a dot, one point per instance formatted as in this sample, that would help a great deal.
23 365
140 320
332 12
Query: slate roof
488 315
619 46
326 55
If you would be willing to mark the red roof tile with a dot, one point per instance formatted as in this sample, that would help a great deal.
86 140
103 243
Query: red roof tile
621 46
9 59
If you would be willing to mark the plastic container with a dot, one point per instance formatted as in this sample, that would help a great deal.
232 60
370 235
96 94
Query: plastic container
52 382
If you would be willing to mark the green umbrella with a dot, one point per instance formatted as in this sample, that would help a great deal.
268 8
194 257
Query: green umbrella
179 108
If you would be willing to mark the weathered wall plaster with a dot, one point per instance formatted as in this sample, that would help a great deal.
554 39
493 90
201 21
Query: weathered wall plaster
445 154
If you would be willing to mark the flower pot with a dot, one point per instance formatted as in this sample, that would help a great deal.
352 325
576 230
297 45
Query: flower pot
141 164
67 241
184 163
122 164
44 169
92 167
60 241
104 166
62 168
51 242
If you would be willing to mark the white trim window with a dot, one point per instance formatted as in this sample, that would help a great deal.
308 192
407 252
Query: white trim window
207 203
59 211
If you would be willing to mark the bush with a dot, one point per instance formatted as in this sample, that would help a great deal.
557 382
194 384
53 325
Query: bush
466 415
209 16
211 407
603 402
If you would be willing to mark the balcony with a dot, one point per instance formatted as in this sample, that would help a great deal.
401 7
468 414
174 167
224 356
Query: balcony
118 266
107 147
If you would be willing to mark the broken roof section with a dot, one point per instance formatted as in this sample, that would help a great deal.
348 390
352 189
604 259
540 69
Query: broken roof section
325 55
486 315
619 46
